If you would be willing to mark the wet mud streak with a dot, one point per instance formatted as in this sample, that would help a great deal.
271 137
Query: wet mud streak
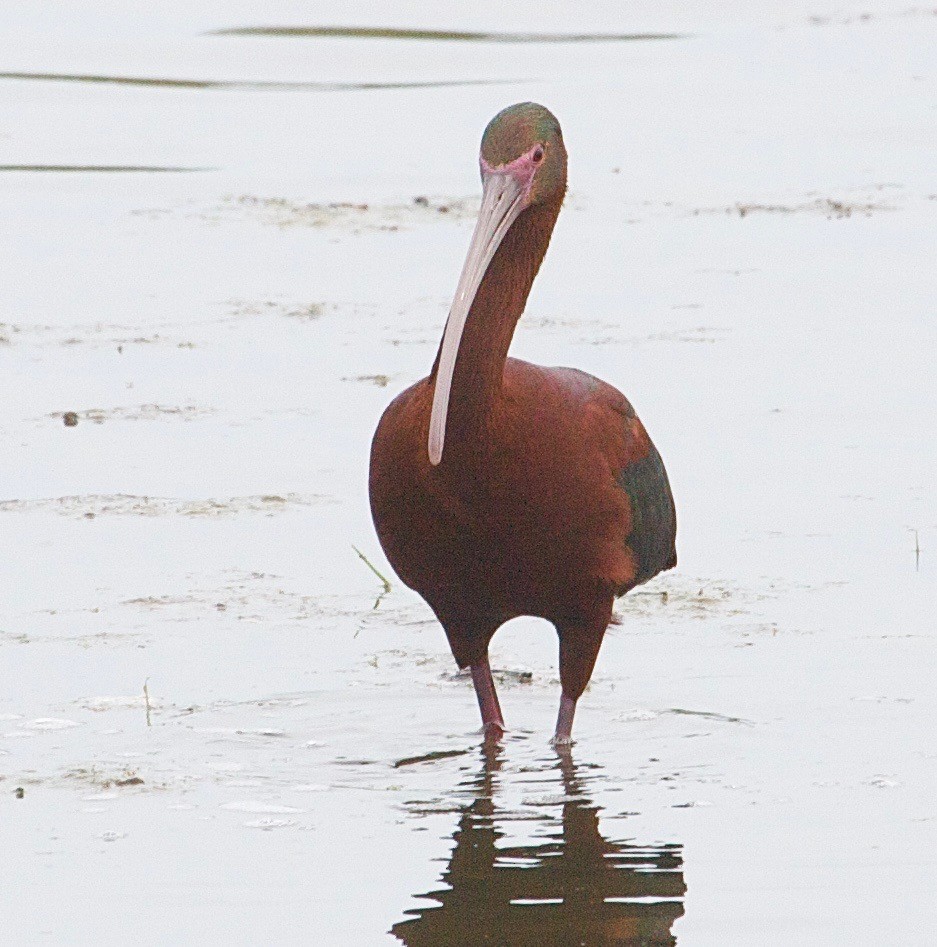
429 757
458 36
92 505
162 83
355 217
143 412
101 168
831 208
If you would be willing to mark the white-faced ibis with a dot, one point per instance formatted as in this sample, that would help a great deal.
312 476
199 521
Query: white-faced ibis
500 488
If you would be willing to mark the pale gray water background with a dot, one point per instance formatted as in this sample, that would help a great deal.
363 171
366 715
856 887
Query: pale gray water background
747 250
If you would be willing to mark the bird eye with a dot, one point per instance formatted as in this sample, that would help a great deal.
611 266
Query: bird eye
538 154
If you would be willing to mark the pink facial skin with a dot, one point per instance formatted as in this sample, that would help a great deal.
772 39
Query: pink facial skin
522 169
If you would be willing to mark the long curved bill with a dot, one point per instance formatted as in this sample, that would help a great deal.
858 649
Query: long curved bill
502 201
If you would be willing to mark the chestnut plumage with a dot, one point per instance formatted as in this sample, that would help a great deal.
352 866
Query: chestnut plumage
500 488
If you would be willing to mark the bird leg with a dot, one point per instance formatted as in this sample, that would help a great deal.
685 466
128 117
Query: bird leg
579 647
492 721
564 722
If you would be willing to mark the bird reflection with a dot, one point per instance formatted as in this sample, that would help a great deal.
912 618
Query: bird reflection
570 886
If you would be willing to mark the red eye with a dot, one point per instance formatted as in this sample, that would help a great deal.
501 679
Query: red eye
538 154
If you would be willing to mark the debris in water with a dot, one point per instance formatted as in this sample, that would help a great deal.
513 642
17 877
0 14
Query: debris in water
380 575
502 675
70 418
146 698
379 380
882 782
429 757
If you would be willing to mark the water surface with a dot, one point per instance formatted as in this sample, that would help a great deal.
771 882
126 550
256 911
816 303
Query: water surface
209 701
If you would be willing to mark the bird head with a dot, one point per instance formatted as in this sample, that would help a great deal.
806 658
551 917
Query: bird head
524 142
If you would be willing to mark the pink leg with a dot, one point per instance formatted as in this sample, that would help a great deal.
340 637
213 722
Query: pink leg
564 721
492 721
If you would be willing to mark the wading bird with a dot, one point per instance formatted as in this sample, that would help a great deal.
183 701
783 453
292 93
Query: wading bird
500 488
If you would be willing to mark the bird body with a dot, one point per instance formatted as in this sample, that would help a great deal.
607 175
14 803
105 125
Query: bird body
534 520
539 492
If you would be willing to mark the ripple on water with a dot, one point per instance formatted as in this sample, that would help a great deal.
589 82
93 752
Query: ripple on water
260 807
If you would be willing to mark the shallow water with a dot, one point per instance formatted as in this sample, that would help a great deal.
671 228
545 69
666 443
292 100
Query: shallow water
746 250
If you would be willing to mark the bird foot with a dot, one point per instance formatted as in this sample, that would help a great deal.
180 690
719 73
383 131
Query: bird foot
493 731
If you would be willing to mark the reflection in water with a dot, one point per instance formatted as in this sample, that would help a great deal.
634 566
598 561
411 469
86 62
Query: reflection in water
572 886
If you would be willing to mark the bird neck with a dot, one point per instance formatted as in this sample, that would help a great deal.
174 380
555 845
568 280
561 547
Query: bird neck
486 338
